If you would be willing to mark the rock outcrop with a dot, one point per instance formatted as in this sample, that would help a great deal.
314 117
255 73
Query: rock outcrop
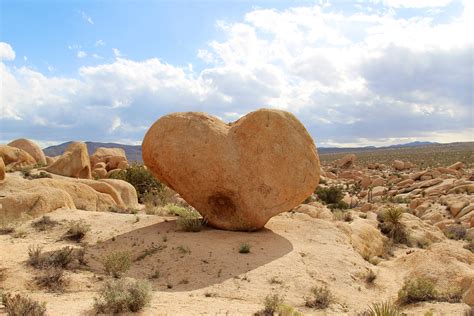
30 147
2 170
346 162
236 175
73 163
15 158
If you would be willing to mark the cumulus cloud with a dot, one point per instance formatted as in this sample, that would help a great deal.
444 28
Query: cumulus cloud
352 78
81 54
6 52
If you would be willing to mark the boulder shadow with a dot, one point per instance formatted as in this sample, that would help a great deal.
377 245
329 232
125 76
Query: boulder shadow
173 260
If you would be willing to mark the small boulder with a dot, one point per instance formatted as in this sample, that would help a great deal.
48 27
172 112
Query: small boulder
346 162
456 166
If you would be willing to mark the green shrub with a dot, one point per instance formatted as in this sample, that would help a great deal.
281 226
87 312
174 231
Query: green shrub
418 290
320 297
382 309
181 211
330 195
77 230
118 296
44 223
244 248
18 305
341 205
141 179
117 263
52 279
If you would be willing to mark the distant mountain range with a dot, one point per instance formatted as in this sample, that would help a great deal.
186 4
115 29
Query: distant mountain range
134 152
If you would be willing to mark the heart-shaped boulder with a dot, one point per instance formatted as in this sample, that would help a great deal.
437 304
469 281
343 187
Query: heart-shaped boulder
237 175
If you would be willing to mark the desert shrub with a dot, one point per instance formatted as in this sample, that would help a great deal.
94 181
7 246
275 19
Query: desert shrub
181 211
330 195
341 215
7 228
320 297
391 224
60 258
141 179
190 223
244 248
382 309
44 223
77 230
52 279
18 305
417 290
119 296
128 210
370 277
271 303
117 263
456 232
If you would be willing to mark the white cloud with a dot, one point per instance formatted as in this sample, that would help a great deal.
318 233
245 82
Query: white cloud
6 52
81 54
417 3
362 78
86 18
99 43
117 52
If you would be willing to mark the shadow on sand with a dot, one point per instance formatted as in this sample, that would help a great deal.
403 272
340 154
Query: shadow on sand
181 261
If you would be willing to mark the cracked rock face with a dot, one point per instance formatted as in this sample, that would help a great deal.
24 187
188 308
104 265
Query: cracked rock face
236 175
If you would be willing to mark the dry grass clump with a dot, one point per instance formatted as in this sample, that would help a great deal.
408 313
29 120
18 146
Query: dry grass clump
370 277
382 309
456 232
118 296
19 305
320 297
117 263
191 223
44 223
6 227
60 258
116 209
391 225
77 230
274 305
423 289
51 278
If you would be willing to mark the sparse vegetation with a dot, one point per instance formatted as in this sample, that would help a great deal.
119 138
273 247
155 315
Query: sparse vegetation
19 233
190 223
274 305
7 228
77 230
382 309
142 180
331 196
117 263
19 305
119 296
51 278
456 232
470 246
320 297
370 277
391 224
244 248
423 289
60 258
44 223
183 249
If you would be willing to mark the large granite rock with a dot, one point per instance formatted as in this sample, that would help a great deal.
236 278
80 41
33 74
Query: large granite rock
236 175
34 150
73 163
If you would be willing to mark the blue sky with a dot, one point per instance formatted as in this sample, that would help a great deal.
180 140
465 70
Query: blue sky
354 72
